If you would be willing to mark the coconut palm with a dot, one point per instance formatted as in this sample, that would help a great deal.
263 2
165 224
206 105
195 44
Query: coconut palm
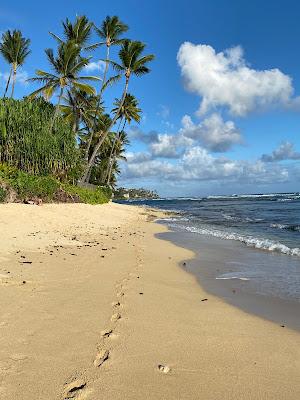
118 153
66 66
110 31
129 111
78 32
78 108
132 63
103 123
15 49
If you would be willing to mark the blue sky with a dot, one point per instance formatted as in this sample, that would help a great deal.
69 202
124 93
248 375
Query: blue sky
222 103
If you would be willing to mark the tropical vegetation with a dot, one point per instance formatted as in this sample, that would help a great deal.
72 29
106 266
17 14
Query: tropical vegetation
65 131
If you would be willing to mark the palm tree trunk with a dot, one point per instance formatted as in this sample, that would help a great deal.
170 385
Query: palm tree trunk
89 175
110 169
13 82
87 150
56 109
111 152
99 101
8 82
105 74
103 136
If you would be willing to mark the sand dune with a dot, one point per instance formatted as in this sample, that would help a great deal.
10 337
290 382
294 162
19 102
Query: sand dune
93 306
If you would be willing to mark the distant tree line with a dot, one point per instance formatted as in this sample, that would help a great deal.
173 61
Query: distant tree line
124 193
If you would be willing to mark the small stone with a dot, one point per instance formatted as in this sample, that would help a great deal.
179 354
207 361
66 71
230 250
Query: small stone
165 369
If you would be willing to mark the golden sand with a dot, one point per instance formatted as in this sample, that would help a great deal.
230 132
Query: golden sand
94 306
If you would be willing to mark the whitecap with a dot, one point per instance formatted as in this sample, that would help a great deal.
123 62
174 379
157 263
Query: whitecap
251 241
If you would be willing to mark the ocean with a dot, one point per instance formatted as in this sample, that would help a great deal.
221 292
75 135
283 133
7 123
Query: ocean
253 239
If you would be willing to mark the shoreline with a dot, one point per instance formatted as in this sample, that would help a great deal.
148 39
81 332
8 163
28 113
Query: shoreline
284 312
105 303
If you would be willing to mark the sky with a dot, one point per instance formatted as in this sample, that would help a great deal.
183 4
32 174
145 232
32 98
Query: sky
221 106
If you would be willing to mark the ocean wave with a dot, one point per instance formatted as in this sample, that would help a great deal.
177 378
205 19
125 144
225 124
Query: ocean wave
270 196
174 219
232 277
250 241
293 228
229 217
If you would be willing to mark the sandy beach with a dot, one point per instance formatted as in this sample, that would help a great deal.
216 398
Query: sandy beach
95 306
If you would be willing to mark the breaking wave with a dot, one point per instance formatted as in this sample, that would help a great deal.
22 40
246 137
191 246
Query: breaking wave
250 241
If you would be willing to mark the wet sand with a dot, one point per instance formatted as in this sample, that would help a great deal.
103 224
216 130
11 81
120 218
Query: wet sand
94 306
213 259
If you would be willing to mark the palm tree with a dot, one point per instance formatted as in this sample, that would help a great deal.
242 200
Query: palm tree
132 62
103 123
14 48
110 31
78 32
78 108
118 150
129 111
66 66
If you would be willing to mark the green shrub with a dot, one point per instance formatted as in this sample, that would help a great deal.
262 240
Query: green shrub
29 186
48 188
98 196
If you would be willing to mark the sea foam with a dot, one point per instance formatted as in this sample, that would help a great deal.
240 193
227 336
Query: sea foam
258 243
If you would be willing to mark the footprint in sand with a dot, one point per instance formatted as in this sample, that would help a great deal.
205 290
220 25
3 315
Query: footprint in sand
101 357
106 333
73 389
115 317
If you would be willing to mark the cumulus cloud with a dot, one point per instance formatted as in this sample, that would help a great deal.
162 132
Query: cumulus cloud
95 66
197 164
285 151
170 146
212 132
225 79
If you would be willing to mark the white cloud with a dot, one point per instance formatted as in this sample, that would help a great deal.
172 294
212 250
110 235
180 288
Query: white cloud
285 151
198 165
225 79
21 77
95 66
212 132
169 146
